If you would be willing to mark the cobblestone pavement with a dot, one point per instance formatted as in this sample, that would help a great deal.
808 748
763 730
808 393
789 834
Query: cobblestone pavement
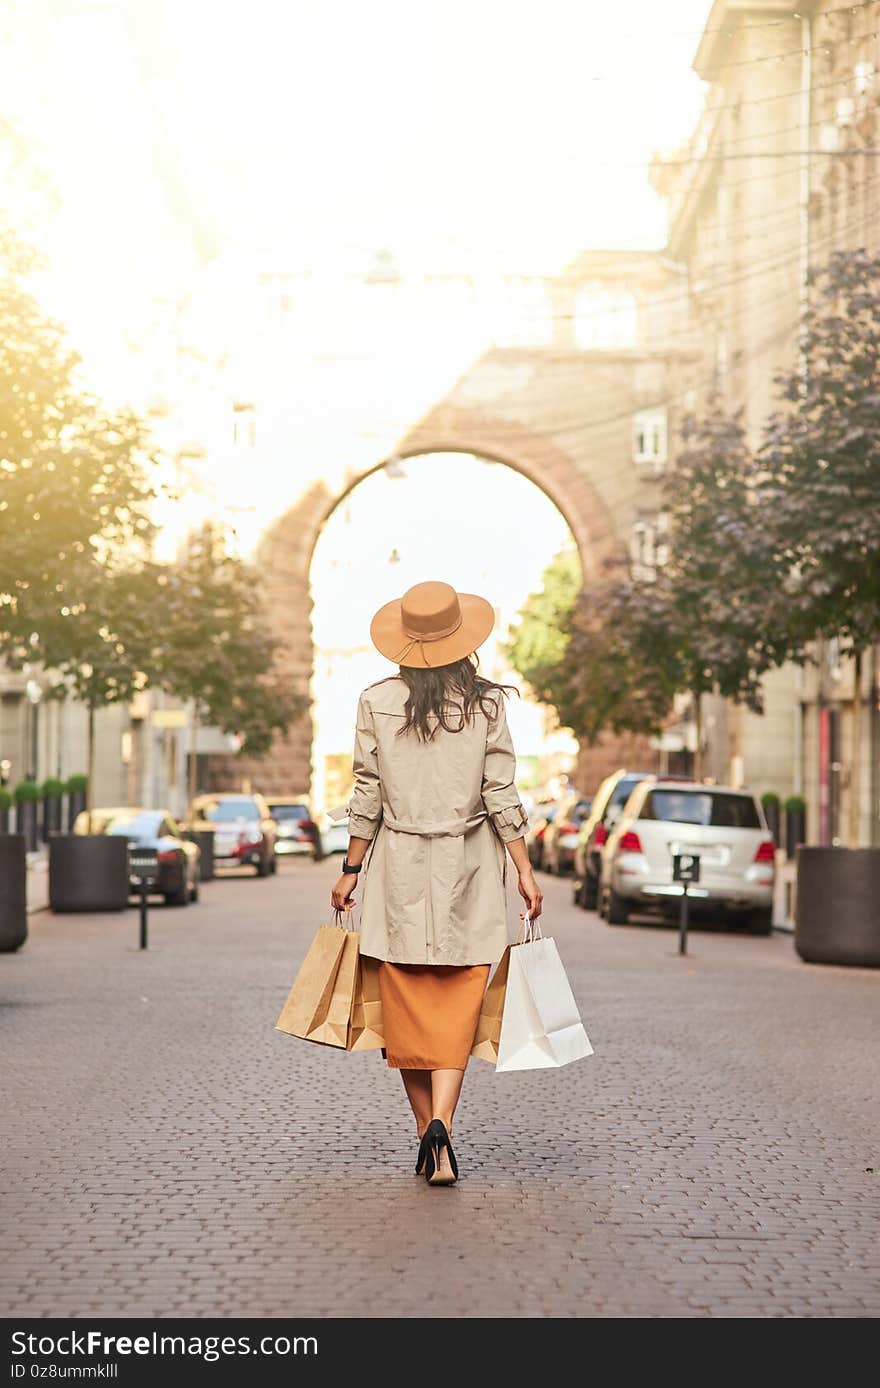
169 1153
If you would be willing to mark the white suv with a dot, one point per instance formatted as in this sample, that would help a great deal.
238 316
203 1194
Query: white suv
726 827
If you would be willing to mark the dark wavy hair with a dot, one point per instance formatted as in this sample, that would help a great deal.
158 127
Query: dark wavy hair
449 693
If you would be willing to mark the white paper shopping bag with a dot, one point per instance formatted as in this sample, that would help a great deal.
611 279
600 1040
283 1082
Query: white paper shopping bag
540 1026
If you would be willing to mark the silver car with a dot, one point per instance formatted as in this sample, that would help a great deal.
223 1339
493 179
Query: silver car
726 827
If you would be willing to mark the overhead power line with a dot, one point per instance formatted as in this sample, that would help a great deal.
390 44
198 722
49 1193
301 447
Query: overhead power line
731 29
824 46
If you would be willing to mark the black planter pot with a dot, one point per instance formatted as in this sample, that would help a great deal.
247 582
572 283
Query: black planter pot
88 872
26 822
51 817
795 831
837 920
205 840
13 892
76 803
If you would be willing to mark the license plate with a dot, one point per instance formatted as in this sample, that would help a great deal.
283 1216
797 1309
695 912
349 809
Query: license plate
224 845
709 854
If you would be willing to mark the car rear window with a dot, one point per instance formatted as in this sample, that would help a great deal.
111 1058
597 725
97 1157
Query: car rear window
289 811
227 811
622 791
581 811
703 807
136 826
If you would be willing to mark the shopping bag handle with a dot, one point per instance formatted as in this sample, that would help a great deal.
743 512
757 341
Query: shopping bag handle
340 916
530 930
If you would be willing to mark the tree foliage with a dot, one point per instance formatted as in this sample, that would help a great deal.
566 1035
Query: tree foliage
692 622
214 647
537 643
75 483
818 472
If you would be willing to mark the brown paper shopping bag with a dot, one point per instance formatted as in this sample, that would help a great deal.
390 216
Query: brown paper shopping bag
367 1032
318 1007
488 1032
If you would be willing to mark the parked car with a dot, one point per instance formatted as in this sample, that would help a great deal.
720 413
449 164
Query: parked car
244 830
726 827
334 834
537 828
295 830
178 879
607 806
560 836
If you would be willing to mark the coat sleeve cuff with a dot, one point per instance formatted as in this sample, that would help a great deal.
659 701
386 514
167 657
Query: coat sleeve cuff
359 827
510 823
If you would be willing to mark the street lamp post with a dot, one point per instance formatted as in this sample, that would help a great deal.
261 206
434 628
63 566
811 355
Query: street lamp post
34 694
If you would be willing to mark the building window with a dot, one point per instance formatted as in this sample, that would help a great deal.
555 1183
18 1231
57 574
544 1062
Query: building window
649 436
649 545
244 426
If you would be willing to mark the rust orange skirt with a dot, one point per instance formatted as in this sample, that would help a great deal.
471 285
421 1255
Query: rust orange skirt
430 1013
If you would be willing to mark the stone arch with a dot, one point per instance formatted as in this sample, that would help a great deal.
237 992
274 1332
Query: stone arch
285 553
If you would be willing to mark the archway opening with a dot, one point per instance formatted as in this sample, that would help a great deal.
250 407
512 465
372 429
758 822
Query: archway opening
472 521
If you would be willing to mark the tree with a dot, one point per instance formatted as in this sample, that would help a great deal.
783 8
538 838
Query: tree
213 647
75 488
537 643
818 478
708 610
694 620
620 675
98 651
581 651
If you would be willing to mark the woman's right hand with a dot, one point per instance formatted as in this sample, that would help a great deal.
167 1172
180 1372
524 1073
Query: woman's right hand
530 893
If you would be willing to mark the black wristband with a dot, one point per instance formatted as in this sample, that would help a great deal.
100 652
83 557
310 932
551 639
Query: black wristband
348 867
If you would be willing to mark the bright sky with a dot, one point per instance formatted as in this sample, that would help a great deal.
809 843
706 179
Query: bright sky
302 130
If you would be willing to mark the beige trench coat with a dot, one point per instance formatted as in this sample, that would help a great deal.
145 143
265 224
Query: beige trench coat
438 813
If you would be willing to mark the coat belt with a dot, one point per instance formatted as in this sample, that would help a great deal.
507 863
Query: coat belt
447 828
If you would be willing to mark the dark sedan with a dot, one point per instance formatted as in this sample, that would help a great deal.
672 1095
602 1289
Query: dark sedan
178 879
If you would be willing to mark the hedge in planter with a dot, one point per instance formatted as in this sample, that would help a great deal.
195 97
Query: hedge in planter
771 804
27 794
75 787
795 824
5 806
51 792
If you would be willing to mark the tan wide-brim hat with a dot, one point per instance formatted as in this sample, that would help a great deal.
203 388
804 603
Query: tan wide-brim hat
431 625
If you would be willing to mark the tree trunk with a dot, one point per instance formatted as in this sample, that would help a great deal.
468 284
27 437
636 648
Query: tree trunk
698 724
855 778
90 764
193 753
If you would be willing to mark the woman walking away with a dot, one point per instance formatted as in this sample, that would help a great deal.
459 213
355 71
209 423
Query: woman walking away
433 811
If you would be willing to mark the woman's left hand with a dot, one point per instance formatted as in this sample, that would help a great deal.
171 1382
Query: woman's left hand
340 896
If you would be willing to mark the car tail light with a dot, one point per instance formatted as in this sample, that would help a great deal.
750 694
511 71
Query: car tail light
600 835
539 833
766 852
629 842
167 855
309 826
568 828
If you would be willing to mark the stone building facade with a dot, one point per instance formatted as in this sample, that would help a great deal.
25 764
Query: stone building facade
778 174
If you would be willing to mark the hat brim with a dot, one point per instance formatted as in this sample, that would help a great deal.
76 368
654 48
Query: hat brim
390 639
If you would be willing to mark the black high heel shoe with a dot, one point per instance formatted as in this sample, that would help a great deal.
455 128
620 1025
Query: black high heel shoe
435 1139
423 1154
